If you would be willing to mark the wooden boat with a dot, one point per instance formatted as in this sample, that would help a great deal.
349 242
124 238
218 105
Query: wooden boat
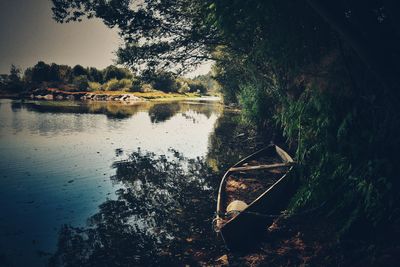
252 190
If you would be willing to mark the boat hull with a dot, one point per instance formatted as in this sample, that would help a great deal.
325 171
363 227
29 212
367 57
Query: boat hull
250 225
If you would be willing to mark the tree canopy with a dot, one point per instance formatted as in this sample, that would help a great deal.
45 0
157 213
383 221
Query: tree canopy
157 34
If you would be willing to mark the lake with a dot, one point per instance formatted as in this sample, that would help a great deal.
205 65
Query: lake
103 183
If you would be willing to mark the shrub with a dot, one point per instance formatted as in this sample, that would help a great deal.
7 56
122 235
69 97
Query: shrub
81 82
136 86
111 85
183 87
147 88
164 81
125 84
196 87
94 86
113 72
115 85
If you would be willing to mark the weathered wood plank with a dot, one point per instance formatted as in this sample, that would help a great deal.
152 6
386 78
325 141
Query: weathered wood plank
261 167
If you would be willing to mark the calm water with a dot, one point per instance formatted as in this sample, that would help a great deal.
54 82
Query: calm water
96 184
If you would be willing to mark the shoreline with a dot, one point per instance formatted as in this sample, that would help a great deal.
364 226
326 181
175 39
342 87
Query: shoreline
51 94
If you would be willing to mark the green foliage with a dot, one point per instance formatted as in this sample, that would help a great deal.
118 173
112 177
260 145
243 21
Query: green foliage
211 86
94 86
113 72
78 70
146 87
228 74
196 86
81 82
112 85
344 149
66 78
12 83
183 86
136 85
125 84
256 104
191 86
41 72
162 81
96 75
116 85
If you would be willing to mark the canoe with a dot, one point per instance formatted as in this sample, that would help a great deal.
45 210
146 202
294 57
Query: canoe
250 193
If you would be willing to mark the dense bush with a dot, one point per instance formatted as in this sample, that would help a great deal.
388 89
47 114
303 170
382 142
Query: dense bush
113 72
116 85
94 86
146 87
81 82
162 81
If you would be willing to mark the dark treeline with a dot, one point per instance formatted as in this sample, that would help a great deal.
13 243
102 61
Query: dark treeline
112 78
327 73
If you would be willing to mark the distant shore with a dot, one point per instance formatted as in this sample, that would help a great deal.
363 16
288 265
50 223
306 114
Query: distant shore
52 94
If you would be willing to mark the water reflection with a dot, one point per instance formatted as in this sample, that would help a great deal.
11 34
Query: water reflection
163 112
163 214
233 140
161 217
148 209
55 163
158 111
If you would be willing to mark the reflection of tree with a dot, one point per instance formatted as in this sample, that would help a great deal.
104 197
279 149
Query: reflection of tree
158 112
232 140
15 106
162 112
201 107
161 217
115 110
163 214
110 109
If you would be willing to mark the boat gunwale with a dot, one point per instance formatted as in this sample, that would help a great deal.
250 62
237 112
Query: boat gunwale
280 152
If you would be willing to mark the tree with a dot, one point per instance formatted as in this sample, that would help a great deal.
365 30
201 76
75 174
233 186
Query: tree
113 72
54 74
161 80
78 70
15 74
41 72
95 75
157 34
65 73
81 82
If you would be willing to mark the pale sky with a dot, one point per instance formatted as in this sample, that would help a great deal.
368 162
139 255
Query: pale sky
28 34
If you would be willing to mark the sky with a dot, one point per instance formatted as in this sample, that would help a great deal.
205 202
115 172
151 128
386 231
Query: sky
28 34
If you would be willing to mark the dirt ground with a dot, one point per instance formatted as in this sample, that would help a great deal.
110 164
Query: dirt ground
309 240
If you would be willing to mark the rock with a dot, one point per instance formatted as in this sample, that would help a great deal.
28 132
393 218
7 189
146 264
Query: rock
70 97
59 97
100 97
49 97
87 97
